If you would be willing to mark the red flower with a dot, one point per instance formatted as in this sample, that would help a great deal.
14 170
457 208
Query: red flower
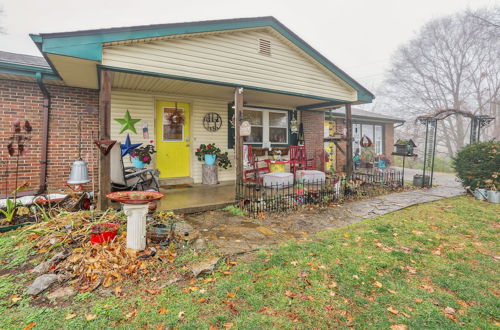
198 150
209 146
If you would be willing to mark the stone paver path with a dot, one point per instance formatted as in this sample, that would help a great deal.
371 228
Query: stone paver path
233 234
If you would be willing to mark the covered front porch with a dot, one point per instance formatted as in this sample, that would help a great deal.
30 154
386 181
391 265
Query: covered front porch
149 98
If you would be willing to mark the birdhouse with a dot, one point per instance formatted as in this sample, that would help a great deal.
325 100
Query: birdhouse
405 147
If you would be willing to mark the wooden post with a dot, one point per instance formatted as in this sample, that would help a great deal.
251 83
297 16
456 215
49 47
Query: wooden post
104 134
238 143
348 124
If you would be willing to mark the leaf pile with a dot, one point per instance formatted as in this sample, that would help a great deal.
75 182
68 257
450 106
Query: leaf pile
68 229
93 264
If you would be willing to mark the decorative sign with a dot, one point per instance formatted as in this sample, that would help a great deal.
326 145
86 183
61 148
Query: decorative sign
212 121
127 147
127 123
245 128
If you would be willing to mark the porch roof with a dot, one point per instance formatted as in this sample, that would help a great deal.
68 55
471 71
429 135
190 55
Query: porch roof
156 83
68 51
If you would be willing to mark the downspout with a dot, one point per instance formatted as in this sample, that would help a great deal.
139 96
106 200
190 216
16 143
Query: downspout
45 133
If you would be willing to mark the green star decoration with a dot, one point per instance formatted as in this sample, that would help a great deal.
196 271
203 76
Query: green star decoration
128 123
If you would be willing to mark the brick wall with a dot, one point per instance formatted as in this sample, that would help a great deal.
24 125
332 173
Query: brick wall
23 100
313 123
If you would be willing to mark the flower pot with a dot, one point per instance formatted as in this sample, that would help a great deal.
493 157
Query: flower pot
210 159
103 232
493 196
137 162
480 194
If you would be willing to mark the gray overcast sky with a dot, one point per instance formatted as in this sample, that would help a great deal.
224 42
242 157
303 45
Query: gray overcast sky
357 35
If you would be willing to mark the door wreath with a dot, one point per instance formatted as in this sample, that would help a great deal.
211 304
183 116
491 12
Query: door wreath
366 142
175 118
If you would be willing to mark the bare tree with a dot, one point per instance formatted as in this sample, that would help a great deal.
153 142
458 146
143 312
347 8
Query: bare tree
453 63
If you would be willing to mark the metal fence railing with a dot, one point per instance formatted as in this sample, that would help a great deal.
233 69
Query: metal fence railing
255 198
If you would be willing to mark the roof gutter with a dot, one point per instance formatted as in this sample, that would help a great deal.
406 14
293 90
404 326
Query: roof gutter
45 138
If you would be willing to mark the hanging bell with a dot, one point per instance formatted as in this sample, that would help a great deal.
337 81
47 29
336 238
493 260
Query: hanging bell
79 173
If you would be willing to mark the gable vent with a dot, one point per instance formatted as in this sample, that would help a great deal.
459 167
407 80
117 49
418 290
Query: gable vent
265 47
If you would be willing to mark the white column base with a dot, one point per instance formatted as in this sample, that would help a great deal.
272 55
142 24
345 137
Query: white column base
136 225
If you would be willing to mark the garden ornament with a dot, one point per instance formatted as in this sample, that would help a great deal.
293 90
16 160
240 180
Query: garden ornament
127 123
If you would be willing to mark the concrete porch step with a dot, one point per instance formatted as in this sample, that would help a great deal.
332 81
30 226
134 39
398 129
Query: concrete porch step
175 181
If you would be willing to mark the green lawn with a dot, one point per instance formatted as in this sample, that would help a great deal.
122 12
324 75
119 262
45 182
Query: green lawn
431 266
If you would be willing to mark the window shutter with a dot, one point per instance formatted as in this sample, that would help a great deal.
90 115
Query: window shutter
293 139
230 128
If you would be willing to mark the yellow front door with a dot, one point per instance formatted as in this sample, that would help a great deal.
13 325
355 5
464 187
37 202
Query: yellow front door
172 139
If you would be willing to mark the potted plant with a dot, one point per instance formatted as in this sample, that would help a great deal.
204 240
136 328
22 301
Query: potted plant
142 155
212 154
208 153
163 224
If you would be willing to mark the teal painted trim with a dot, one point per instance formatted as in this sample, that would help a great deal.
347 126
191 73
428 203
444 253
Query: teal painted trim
26 71
88 44
213 82
365 119
22 67
318 105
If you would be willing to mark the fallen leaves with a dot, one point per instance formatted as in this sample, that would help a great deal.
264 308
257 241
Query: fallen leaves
427 288
449 310
162 310
377 284
392 310
90 317
29 326
70 316
399 327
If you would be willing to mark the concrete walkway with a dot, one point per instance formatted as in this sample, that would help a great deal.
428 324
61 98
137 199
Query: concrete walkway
233 234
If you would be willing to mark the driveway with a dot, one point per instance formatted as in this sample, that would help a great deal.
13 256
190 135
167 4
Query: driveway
440 178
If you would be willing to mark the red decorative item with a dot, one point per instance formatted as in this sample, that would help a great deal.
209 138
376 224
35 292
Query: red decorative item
105 145
366 142
134 197
103 232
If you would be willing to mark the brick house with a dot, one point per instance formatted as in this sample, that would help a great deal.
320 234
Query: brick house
201 70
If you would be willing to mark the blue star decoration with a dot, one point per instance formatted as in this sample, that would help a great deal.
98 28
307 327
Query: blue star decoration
127 123
127 147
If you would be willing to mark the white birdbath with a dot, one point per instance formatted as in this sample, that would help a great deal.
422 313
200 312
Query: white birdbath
136 225
135 206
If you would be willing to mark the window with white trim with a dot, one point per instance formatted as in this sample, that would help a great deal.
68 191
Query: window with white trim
267 126
372 131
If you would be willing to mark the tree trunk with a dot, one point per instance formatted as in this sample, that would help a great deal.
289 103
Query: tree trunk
209 174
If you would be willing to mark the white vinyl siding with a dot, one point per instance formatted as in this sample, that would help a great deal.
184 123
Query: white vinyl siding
232 58
142 105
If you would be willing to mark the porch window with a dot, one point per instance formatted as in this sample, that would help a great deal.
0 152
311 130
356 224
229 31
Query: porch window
374 132
268 126
171 133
